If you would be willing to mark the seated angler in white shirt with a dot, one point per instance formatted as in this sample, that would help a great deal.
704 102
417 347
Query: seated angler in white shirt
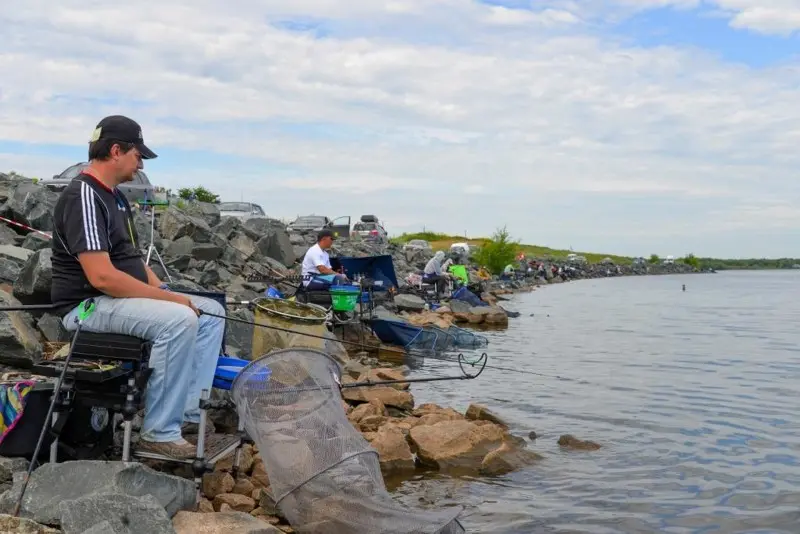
317 271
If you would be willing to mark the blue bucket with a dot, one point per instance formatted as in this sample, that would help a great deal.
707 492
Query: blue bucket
228 369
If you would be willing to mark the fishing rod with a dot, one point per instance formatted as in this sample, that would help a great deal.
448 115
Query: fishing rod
424 354
462 361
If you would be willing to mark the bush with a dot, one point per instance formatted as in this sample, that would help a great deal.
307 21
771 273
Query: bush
498 252
654 259
691 260
200 194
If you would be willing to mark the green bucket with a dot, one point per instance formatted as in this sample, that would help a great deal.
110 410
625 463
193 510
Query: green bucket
344 298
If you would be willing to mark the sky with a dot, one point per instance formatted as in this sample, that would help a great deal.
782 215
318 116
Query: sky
619 126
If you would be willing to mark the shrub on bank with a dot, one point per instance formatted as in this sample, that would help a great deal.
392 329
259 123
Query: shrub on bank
497 252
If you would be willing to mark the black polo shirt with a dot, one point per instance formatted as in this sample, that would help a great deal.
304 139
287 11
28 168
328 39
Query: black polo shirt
91 217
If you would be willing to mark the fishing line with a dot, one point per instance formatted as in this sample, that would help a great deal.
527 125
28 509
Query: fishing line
460 359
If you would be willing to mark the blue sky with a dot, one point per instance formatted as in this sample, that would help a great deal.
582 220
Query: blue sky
627 126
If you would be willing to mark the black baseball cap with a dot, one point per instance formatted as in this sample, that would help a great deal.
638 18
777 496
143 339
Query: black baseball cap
325 233
120 128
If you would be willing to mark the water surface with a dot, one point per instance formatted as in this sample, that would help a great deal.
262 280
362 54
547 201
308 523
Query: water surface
694 397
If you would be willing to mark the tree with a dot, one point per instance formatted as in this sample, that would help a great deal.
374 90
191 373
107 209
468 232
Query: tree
200 193
498 252
691 260
654 259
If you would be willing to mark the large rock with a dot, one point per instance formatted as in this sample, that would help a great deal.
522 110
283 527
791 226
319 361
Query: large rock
34 241
204 210
174 224
19 525
411 303
490 314
506 458
455 444
12 259
35 279
221 523
276 245
389 396
31 204
116 514
393 449
51 484
20 343
478 412
9 237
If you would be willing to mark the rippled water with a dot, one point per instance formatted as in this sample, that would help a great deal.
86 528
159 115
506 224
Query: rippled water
694 397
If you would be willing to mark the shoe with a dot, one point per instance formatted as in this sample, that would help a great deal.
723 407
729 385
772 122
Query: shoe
188 429
179 449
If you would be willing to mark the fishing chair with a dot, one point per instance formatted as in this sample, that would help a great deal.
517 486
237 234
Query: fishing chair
109 373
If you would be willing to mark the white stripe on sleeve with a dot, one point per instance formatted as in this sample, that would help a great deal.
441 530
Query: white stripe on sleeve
89 218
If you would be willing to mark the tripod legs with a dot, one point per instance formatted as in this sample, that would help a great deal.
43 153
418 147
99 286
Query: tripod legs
152 248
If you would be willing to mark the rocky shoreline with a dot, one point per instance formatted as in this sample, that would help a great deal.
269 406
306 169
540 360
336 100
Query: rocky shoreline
204 252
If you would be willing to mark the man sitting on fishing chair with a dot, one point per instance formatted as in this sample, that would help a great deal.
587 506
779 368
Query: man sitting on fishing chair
318 275
96 254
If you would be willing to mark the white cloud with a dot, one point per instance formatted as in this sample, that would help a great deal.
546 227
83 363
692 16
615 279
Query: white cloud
426 105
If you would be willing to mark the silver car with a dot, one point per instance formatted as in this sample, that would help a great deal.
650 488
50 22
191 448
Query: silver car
136 191
241 210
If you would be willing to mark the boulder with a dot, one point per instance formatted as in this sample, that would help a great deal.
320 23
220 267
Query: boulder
206 252
116 514
216 483
455 444
387 395
276 245
221 523
478 412
393 449
411 303
9 237
182 246
367 409
19 525
20 343
174 224
569 441
31 204
52 328
50 484
12 259
34 241
238 503
506 458
35 279
205 211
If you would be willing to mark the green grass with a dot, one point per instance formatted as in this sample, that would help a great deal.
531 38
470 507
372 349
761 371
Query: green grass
443 241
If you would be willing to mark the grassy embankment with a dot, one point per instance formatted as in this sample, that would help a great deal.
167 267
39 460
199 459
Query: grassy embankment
443 241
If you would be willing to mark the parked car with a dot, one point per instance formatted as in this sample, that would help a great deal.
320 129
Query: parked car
241 210
136 191
417 244
371 229
315 223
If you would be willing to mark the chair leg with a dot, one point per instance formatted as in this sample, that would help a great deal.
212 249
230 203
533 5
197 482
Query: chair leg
199 466
128 411
237 459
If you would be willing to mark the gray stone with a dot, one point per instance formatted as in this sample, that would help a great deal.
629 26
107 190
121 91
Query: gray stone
34 241
244 245
12 259
411 303
8 236
50 483
52 328
206 252
276 245
459 306
263 225
20 343
204 210
34 281
174 224
31 204
116 514
180 247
